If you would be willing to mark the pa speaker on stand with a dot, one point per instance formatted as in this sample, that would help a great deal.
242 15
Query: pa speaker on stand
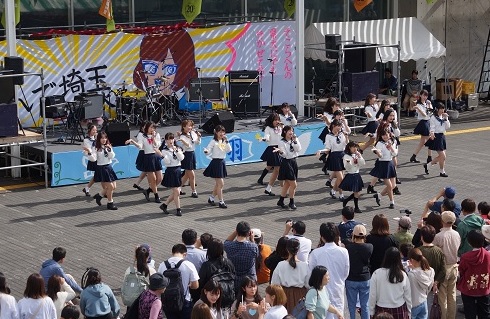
227 119
118 133
16 64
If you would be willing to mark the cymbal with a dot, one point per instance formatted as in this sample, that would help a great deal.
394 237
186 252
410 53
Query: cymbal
124 83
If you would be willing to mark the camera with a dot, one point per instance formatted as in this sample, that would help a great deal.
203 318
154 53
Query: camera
406 211
290 220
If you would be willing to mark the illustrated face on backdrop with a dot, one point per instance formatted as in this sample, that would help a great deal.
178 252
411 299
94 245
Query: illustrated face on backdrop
161 73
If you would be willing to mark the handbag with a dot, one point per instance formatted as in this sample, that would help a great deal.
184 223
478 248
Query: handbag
435 310
299 311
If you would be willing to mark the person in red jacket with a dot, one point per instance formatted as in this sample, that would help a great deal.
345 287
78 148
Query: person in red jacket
474 270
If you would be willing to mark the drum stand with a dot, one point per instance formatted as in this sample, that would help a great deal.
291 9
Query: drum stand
169 109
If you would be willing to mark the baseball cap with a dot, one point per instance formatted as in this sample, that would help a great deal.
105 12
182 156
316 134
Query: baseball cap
257 233
449 192
485 230
405 222
448 217
359 230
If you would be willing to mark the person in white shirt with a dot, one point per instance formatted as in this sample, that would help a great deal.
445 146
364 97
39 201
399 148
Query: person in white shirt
287 117
276 298
421 277
89 142
172 156
60 292
370 109
8 306
189 138
35 304
272 135
288 149
423 109
389 289
336 259
218 147
439 123
298 229
139 159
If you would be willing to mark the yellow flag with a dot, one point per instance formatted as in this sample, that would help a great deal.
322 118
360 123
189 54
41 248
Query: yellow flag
290 7
105 10
361 4
17 13
191 9
430 1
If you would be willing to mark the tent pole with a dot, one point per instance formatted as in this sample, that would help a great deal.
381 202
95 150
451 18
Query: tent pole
341 70
398 95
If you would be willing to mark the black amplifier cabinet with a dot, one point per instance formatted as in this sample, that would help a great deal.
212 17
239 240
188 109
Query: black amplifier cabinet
243 76
359 85
211 89
8 120
244 91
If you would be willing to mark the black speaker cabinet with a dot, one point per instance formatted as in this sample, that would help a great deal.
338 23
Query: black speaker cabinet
360 59
15 64
93 106
8 120
227 119
359 85
7 88
244 97
118 133
332 42
211 89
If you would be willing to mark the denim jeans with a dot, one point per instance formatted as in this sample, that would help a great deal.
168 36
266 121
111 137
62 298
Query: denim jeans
353 290
420 311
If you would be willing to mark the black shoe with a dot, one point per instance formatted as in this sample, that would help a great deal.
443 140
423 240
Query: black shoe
328 183
86 192
270 193
370 189
332 194
323 158
426 169
357 211
194 195
392 206
157 199
443 175
280 203
211 202
111 206
222 205
344 202
147 194
292 206
138 187
164 208
98 199
179 212
429 159
182 193
376 197
413 159
260 181
398 181
396 191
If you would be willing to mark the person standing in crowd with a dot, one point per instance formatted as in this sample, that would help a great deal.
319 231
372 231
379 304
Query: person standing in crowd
60 292
389 289
150 306
439 123
35 304
289 148
242 251
381 239
97 301
211 295
469 221
421 277
357 283
292 275
276 298
104 174
8 306
348 223
336 259
448 240
263 273
297 229
194 254
412 87
287 117
139 158
317 301
218 147
403 235
188 138
434 256
424 110
273 136
247 302
201 311
370 109
172 156
278 255
150 142
352 180
89 143
474 270
53 267
389 86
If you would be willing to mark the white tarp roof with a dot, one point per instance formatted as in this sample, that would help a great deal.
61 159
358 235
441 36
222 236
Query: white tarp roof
415 40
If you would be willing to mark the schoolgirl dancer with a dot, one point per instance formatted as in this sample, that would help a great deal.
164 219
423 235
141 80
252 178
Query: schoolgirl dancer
439 123
334 147
391 124
423 109
139 158
103 155
385 106
287 117
172 156
337 115
218 147
272 135
370 109
384 167
150 142
288 149
352 181
89 143
330 107
188 139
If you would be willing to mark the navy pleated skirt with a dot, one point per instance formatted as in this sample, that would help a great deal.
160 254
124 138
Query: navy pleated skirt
334 161
272 159
151 163
438 143
104 173
139 161
352 183
383 169
323 134
172 177
370 127
288 170
422 128
216 169
189 161
91 166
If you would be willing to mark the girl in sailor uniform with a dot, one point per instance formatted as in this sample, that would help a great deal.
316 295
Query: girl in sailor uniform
384 168
172 156
352 181
370 109
335 143
385 106
150 142
389 123
218 147
331 106
103 155
188 139
287 117
424 110
272 135
139 159
439 123
89 143
288 149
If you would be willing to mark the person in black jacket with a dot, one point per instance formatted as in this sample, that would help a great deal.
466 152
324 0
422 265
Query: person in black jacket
277 255
216 262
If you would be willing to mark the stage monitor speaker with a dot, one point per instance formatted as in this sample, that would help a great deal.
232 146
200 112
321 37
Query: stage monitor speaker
15 64
332 42
7 88
227 119
359 85
211 89
93 106
360 59
8 120
245 98
118 133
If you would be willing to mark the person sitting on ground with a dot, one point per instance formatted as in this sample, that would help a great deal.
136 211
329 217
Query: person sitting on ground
150 306
70 312
403 235
60 292
36 304
263 273
278 255
97 301
53 267
389 86
484 210
348 223
205 239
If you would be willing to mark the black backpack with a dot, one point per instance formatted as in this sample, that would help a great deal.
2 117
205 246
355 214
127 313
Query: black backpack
227 282
174 296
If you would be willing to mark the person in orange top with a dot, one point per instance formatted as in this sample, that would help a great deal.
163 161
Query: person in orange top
263 273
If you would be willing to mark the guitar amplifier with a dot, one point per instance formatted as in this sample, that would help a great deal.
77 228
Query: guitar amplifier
210 87
92 106
243 76
244 97
55 107
360 84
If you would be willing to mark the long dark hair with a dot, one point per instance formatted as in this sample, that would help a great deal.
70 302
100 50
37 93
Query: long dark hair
316 277
393 261
368 97
281 249
215 250
54 286
218 128
247 281
382 107
100 135
328 108
4 287
293 248
214 287
269 121
141 256
380 225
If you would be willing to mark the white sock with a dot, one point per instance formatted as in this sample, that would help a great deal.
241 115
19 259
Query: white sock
341 195
268 188
221 201
194 192
442 171
87 189
392 202
211 197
